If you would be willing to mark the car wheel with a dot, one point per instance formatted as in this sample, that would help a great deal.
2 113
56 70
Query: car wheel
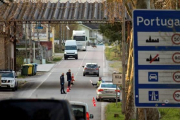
17 86
98 75
13 89
97 99
83 74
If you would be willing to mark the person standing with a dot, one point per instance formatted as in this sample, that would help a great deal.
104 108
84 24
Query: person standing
69 78
62 83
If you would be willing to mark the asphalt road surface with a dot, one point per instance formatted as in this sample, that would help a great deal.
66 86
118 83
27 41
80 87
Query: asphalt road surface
48 85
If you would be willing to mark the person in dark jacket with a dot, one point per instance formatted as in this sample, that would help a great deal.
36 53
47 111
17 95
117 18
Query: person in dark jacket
69 78
62 83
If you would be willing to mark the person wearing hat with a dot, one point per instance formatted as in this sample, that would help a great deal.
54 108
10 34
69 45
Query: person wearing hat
98 82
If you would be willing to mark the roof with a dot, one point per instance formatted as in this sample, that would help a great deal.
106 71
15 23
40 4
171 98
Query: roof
91 63
59 12
92 26
79 103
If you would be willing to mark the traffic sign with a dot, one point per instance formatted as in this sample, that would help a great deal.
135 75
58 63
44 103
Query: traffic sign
156 58
117 78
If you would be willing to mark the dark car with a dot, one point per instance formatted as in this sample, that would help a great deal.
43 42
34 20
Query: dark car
91 69
35 109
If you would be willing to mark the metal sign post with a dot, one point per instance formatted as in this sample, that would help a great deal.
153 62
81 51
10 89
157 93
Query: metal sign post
0 80
117 80
156 58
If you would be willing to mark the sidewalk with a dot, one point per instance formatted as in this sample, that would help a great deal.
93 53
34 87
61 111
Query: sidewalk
48 67
44 67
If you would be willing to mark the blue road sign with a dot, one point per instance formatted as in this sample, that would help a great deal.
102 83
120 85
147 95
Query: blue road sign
38 27
156 58
153 76
153 96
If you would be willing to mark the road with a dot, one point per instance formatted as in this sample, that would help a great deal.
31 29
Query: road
47 85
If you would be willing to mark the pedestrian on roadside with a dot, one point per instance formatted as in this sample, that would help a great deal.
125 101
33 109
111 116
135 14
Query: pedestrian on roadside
69 78
62 83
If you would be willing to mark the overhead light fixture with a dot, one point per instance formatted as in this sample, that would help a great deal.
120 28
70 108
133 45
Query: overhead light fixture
67 27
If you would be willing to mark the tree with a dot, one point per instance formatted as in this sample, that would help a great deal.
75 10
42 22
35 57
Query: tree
111 31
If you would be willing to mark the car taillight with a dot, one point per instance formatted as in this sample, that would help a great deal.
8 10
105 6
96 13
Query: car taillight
87 115
97 68
117 90
99 90
85 68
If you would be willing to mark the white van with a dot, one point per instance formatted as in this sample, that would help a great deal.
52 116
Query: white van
70 49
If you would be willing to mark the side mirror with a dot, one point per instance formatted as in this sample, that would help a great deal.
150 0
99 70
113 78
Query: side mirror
16 76
82 66
91 116
99 66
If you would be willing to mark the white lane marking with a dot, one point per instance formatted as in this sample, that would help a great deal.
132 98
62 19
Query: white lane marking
78 70
103 58
81 64
39 85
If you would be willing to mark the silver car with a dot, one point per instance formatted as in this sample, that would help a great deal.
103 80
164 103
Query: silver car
91 69
107 91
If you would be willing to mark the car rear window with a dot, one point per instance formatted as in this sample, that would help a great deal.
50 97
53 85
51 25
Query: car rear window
91 66
108 85
79 112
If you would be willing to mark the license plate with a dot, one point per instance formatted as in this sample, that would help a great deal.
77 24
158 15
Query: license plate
109 92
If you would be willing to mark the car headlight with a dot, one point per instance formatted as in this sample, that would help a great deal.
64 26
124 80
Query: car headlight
65 53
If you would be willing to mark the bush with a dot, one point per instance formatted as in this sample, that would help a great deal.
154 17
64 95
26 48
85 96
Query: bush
19 62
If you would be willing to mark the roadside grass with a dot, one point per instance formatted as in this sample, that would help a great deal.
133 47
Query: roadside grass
55 59
112 54
21 83
112 109
21 76
169 113
116 65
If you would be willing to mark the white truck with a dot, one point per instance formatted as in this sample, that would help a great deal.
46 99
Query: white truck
81 39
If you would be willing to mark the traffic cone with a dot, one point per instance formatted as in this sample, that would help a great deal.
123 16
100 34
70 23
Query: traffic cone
67 89
72 77
94 102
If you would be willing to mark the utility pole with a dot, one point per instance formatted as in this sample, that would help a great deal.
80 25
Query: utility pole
123 58
30 43
39 46
14 42
48 32
26 42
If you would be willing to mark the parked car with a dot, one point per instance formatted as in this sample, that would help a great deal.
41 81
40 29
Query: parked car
81 110
9 79
91 69
107 91
35 109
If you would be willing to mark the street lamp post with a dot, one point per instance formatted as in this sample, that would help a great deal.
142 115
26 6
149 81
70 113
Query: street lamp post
67 31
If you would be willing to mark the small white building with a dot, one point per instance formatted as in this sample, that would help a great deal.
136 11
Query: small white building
91 32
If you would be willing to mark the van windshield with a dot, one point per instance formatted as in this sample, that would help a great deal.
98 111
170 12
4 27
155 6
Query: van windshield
70 48
79 38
